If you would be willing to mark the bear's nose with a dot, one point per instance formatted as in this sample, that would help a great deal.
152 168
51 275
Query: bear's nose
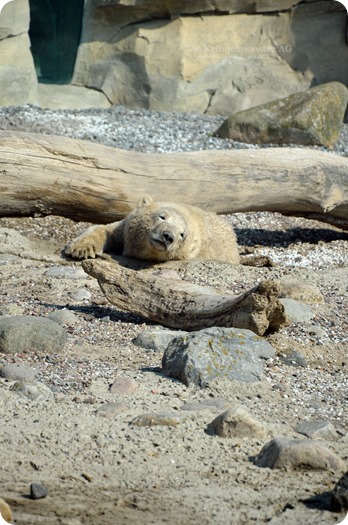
167 237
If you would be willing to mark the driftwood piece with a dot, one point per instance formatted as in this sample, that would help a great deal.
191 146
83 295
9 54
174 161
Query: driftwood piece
44 174
187 306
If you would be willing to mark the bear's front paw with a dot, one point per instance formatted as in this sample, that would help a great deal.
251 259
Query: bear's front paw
81 249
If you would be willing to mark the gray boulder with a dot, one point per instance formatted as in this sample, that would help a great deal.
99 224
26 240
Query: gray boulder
200 357
21 333
312 117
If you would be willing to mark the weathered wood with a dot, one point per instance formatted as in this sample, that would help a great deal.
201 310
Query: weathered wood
43 174
187 306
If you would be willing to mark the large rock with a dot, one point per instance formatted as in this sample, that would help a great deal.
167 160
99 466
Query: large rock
313 117
21 333
18 80
200 357
163 56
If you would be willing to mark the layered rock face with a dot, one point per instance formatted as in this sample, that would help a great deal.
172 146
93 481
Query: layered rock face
214 56
18 81
210 56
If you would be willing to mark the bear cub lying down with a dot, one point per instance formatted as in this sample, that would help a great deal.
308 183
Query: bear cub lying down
161 231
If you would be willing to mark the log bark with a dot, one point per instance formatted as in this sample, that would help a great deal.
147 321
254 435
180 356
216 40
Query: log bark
187 306
44 174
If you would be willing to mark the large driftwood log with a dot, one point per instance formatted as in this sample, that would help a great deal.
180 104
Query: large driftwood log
187 306
42 174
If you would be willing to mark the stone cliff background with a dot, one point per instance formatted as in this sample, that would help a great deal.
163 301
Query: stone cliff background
206 56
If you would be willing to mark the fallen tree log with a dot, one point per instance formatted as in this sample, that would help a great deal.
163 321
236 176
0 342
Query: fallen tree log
44 174
184 305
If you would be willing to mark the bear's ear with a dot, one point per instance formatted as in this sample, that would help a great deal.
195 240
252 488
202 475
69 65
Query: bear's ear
145 201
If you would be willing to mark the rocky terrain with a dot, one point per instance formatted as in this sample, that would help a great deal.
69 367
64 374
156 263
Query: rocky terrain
88 413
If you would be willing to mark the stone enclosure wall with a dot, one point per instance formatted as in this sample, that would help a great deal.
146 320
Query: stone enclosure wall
215 56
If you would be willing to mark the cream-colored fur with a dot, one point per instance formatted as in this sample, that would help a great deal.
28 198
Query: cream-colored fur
161 231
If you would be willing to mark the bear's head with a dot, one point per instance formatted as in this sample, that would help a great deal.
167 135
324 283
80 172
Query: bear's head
155 231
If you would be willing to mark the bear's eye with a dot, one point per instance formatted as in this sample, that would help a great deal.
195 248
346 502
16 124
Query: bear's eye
183 235
162 216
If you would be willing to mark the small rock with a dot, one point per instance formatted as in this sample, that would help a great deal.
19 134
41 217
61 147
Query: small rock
33 390
66 272
124 385
317 331
156 418
231 353
317 430
297 312
302 292
64 317
298 454
212 403
237 422
6 258
38 491
157 340
293 358
5 511
81 294
111 410
22 333
339 495
18 372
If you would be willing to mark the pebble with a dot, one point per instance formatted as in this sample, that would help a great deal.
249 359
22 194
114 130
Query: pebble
64 317
5 511
22 333
66 272
34 391
18 372
124 385
38 491
317 430
298 454
237 422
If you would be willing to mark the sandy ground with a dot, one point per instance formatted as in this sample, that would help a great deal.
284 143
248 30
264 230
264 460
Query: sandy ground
104 470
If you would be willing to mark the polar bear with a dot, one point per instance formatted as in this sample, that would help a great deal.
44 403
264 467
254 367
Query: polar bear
161 231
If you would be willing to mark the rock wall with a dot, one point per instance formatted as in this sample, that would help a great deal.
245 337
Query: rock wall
18 81
215 56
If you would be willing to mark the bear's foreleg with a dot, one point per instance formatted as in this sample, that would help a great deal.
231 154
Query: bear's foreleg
96 240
